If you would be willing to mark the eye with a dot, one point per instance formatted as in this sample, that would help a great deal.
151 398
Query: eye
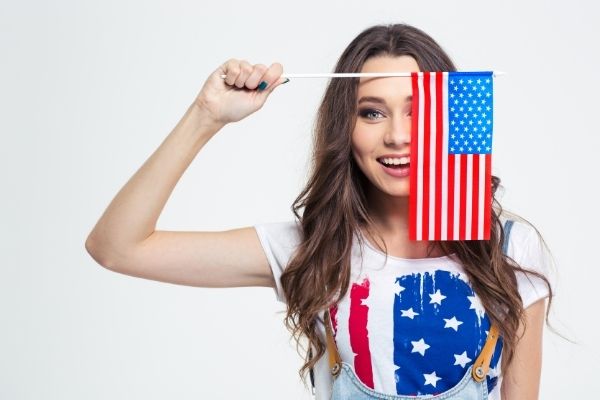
368 112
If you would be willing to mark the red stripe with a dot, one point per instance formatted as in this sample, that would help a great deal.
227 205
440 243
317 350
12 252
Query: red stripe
359 335
438 154
451 173
488 197
426 153
414 158
463 198
475 202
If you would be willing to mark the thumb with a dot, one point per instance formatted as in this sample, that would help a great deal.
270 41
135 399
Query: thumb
280 81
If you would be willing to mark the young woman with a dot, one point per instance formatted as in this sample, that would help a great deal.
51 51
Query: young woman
385 317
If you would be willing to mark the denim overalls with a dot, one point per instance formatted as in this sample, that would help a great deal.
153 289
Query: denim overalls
472 386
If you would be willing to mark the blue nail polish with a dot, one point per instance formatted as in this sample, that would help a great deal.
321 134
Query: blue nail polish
262 86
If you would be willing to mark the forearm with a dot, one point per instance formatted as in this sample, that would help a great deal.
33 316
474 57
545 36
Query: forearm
132 215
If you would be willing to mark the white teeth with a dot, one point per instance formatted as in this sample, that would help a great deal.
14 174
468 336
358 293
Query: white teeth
396 161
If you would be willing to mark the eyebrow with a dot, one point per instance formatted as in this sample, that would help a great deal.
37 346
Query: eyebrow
374 99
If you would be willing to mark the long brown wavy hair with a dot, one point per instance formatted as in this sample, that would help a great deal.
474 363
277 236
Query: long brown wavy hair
335 208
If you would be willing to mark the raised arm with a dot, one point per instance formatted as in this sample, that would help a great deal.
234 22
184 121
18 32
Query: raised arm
125 240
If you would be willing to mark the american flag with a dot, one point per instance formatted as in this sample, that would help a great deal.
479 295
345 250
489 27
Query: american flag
451 146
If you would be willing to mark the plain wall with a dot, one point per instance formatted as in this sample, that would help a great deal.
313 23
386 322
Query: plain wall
88 90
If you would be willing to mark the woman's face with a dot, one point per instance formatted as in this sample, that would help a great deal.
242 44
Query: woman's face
383 124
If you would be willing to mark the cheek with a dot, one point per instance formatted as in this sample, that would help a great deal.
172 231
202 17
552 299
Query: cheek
363 143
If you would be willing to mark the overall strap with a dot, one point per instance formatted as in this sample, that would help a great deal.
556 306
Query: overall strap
335 361
482 363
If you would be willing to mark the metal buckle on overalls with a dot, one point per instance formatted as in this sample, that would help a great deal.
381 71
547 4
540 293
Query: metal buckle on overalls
479 372
335 369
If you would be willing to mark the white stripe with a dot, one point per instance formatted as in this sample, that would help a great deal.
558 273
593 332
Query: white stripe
457 158
444 217
342 336
381 319
480 208
432 160
419 235
469 208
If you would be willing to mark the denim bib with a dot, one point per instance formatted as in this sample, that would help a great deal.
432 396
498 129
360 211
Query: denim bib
348 386
472 385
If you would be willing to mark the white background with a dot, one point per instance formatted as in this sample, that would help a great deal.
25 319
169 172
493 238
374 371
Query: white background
88 90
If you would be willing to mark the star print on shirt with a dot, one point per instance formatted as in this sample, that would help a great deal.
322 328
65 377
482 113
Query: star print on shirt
431 379
461 359
437 297
420 346
452 323
409 313
438 327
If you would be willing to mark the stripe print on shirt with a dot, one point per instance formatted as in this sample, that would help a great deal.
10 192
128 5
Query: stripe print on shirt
412 334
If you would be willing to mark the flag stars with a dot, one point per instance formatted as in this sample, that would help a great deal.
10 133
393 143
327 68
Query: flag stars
431 379
452 323
461 359
470 109
419 346
437 297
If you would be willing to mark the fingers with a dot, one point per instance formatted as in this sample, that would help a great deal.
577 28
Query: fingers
242 74
273 77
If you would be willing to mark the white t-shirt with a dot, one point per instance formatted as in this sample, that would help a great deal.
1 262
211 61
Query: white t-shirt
409 326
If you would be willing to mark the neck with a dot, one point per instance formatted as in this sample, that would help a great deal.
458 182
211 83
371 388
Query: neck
390 215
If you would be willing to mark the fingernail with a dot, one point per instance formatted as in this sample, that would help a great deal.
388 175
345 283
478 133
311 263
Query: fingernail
262 86
286 81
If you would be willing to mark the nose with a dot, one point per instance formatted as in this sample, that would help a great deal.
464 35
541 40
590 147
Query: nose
398 133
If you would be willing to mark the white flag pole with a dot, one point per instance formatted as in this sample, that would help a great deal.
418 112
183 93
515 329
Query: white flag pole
359 74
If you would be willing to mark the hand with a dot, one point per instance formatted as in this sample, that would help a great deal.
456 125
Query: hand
237 96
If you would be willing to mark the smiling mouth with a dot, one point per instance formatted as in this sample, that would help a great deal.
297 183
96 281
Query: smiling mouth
405 164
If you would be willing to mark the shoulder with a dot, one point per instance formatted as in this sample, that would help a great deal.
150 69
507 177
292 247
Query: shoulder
284 233
524 239
528 249
279 241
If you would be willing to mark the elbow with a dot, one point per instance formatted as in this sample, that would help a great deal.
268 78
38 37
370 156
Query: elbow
99 252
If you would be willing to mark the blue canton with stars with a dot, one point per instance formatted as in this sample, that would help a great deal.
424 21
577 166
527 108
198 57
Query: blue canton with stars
440 327
470 110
